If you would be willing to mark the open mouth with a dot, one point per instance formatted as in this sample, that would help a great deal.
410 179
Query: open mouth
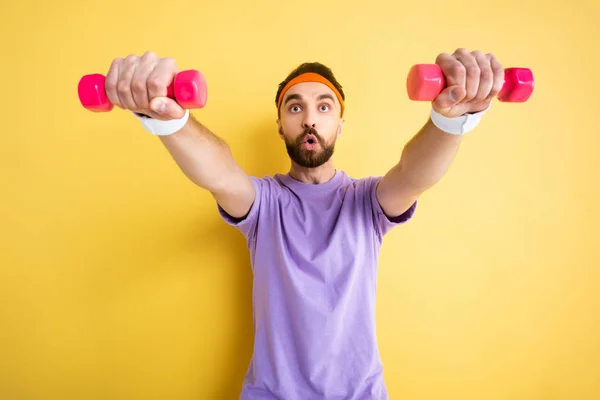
310 139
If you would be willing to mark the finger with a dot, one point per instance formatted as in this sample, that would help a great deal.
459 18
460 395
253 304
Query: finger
498 72
139 89
472 73
486 76
166 108
124 84
110 84
161 77
454 72
448 98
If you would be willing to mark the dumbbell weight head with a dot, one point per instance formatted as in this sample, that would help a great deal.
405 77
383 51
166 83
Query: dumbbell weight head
426 81
92 93
188 89
518 85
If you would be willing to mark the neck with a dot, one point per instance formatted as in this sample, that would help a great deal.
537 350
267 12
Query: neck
318 175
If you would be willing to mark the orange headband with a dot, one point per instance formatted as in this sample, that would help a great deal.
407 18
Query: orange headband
310 77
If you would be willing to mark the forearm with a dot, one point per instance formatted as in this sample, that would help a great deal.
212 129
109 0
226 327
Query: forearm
426 158
204 158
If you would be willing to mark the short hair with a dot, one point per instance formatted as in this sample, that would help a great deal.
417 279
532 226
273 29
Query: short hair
314 67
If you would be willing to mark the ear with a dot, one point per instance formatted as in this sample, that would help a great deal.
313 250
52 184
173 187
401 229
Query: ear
340 127
279 128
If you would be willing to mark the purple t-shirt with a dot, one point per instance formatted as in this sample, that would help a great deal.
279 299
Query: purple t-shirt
314 251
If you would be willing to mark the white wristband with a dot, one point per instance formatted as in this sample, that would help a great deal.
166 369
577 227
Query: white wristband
158 127
458 125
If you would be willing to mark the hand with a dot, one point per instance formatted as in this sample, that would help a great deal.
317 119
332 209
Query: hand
473 79
140 84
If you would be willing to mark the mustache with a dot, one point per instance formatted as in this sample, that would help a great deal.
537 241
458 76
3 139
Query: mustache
309 131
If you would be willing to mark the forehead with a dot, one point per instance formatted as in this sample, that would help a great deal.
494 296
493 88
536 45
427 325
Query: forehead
310 90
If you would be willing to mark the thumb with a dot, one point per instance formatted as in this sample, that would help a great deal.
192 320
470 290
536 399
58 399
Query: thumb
166 108
449 97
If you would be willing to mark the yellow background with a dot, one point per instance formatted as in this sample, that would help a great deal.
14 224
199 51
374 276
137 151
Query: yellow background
118 280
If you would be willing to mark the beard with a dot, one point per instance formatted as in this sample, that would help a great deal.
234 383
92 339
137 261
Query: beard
309 158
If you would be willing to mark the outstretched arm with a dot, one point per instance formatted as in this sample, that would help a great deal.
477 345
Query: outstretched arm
473 80
140 84
206 159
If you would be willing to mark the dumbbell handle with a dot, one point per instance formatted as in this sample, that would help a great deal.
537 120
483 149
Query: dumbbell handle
426 81
188 89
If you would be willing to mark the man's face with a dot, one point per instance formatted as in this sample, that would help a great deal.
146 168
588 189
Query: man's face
310 123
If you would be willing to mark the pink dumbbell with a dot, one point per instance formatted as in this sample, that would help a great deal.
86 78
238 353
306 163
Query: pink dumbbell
188 89
426 81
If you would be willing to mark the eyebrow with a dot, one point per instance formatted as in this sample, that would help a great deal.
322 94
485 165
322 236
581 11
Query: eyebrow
296 96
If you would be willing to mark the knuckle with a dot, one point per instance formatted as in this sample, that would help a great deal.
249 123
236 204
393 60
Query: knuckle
478 54
131 59
155 82
458 69
441 57
169 62
473 69
110 85
123 87
149 54
487 74
138 86
114 68
116 62
480 96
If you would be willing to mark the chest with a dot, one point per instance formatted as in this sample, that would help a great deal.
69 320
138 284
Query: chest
320 234
321 254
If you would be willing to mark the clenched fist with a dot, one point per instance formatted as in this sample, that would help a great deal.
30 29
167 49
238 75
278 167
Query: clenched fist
140 84
473 79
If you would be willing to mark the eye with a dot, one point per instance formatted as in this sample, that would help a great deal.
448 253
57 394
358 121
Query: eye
324 107
295 108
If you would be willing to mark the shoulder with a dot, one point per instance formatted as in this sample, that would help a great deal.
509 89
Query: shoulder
362 185
268 186
269 181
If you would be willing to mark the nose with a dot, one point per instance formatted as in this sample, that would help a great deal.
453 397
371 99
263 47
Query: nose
309 120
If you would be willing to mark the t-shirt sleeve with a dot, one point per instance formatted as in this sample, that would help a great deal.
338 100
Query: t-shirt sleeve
383 223
247 225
